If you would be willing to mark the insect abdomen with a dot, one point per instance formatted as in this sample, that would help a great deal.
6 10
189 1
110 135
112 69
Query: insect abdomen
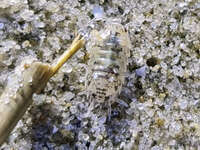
108 60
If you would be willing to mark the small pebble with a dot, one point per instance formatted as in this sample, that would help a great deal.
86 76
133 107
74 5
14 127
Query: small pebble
141 72
98 12
1 25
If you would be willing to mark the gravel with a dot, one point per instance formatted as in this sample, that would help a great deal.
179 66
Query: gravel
158 108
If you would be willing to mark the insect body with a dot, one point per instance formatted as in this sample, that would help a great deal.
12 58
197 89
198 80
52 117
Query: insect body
109 50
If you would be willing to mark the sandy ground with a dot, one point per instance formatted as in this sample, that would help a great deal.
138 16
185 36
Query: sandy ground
158 108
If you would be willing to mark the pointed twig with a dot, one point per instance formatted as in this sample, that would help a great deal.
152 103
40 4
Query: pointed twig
76 45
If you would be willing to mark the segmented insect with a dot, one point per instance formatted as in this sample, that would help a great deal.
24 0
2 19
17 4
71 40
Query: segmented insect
109 49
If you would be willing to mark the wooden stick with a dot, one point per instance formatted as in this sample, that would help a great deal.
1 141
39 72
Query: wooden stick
15 101
76 45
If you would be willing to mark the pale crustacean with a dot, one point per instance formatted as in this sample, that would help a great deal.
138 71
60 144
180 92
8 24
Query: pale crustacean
109 50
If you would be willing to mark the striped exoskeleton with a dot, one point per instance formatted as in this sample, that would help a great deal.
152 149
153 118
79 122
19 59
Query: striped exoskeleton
109 50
